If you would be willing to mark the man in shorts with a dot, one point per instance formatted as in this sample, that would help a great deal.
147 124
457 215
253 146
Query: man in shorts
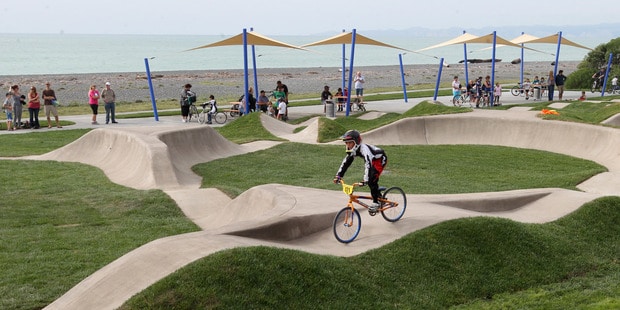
49 105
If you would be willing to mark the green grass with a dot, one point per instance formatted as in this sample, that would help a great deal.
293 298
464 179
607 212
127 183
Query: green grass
479 262
63 221
422 169
37 142
586 112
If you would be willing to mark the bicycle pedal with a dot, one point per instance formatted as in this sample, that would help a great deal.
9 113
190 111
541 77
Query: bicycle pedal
372 213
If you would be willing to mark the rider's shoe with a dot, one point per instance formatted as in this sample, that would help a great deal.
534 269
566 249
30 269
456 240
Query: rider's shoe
374 207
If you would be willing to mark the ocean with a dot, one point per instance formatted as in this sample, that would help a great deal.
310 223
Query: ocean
33 54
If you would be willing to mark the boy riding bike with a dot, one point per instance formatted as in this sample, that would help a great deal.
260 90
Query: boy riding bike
375 160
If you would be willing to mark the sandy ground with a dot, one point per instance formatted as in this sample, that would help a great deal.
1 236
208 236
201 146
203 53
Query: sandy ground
301 218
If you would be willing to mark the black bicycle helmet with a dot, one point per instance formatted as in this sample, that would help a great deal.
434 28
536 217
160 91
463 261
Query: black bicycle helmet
354 136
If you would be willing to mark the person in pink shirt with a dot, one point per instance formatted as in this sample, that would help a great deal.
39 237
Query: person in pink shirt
93 101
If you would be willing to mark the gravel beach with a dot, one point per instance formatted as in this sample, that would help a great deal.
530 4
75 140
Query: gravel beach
228 84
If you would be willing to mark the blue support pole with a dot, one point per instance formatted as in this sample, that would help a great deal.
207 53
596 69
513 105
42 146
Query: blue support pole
492 91
557 54
606 74
438 79
348 104
465 61
344 68
246 83
402 76
521 63
148 78
254 65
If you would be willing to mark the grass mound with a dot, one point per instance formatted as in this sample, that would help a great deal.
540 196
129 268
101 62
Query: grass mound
451 263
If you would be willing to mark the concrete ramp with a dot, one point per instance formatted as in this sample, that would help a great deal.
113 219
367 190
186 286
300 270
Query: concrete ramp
286 131
149 157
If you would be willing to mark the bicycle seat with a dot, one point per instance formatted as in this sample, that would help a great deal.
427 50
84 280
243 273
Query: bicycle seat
382 188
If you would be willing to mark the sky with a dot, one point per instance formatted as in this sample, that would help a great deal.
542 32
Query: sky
292 17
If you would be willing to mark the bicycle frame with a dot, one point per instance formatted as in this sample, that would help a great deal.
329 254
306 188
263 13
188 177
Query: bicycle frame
353 198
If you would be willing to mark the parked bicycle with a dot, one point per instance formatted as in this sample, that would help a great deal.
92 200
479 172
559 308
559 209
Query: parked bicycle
348 222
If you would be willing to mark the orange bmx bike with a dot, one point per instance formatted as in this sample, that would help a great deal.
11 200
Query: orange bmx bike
348 222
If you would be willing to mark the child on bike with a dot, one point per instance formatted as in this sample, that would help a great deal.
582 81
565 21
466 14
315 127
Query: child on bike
375 160
213 108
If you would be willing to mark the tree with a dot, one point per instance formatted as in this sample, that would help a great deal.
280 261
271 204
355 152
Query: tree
594 60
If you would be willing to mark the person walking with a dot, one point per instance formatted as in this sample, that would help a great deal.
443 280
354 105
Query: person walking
560 78
93 101
109 98
49 105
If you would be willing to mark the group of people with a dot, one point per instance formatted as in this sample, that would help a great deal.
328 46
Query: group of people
109 98
15 101
530 87
479 91
342 95
276 108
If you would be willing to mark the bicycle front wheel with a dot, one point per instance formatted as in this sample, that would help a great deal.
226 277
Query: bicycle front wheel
394 208
515 90
347 225
202 117
220 117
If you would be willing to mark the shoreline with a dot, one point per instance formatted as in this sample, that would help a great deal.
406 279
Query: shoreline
133 86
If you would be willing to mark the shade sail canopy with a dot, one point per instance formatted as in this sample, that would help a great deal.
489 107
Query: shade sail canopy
553 39
458 40
347 37
467 38
253 38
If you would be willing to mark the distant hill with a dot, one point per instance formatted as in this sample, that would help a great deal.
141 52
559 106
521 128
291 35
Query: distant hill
571 31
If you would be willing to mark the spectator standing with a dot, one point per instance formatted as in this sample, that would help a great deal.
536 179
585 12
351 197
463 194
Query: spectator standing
109 98
93 101
282 87
326 95
550 85
263 101
34 105
359 86
614 83
560 78
456 90
8 109
186 95
17 107
527 87
282 107
340 95
498 93
49 105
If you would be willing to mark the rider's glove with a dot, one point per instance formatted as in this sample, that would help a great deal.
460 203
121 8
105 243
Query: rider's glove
337 179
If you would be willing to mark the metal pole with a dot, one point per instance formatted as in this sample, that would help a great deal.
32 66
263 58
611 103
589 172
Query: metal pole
606 74
148 78
348 108
402 76
246 83
438 79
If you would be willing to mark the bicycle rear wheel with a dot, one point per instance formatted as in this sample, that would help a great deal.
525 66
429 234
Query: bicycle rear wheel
193 113
220 117
393 210
347 225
